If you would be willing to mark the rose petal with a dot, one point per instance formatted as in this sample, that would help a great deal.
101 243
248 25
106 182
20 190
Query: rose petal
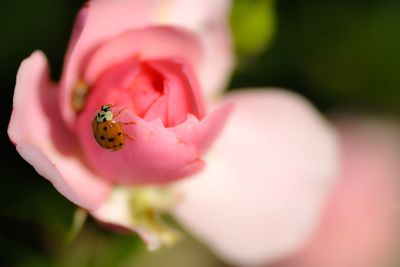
203 133
360 226
147 43
41 139
180 87
267 178
100 20
157 155
210 20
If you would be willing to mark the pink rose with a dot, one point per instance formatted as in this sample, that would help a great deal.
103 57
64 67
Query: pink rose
154 60
133 55
360 225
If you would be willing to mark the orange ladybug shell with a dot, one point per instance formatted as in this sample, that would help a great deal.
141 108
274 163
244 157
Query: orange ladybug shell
109 134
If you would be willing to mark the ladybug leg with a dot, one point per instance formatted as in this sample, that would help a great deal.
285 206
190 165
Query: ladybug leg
127 123
125 134
119 112
130 137
123 123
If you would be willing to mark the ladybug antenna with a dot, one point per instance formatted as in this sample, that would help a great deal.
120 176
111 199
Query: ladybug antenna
106 107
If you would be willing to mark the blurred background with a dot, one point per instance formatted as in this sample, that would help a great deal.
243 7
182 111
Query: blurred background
342 55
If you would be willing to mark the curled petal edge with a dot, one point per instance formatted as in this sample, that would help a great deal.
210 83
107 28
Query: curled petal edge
43 141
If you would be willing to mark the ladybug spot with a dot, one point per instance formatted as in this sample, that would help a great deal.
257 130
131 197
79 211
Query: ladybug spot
102 137
119 133
105 128
120 144
111 139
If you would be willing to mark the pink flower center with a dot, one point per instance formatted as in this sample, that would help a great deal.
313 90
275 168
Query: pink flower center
151 89
146 89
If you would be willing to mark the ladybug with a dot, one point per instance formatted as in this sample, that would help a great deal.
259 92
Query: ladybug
108 132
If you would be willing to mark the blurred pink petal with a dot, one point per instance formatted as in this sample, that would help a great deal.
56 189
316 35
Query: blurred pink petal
41 139
361 224
98 21
146 44
210 20
266 180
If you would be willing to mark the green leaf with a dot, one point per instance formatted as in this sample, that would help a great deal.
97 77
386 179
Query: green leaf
253 25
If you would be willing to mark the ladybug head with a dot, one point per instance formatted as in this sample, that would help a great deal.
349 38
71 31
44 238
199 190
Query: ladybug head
106 107
104 114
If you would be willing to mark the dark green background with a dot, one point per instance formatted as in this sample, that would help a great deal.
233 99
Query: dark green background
342 55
